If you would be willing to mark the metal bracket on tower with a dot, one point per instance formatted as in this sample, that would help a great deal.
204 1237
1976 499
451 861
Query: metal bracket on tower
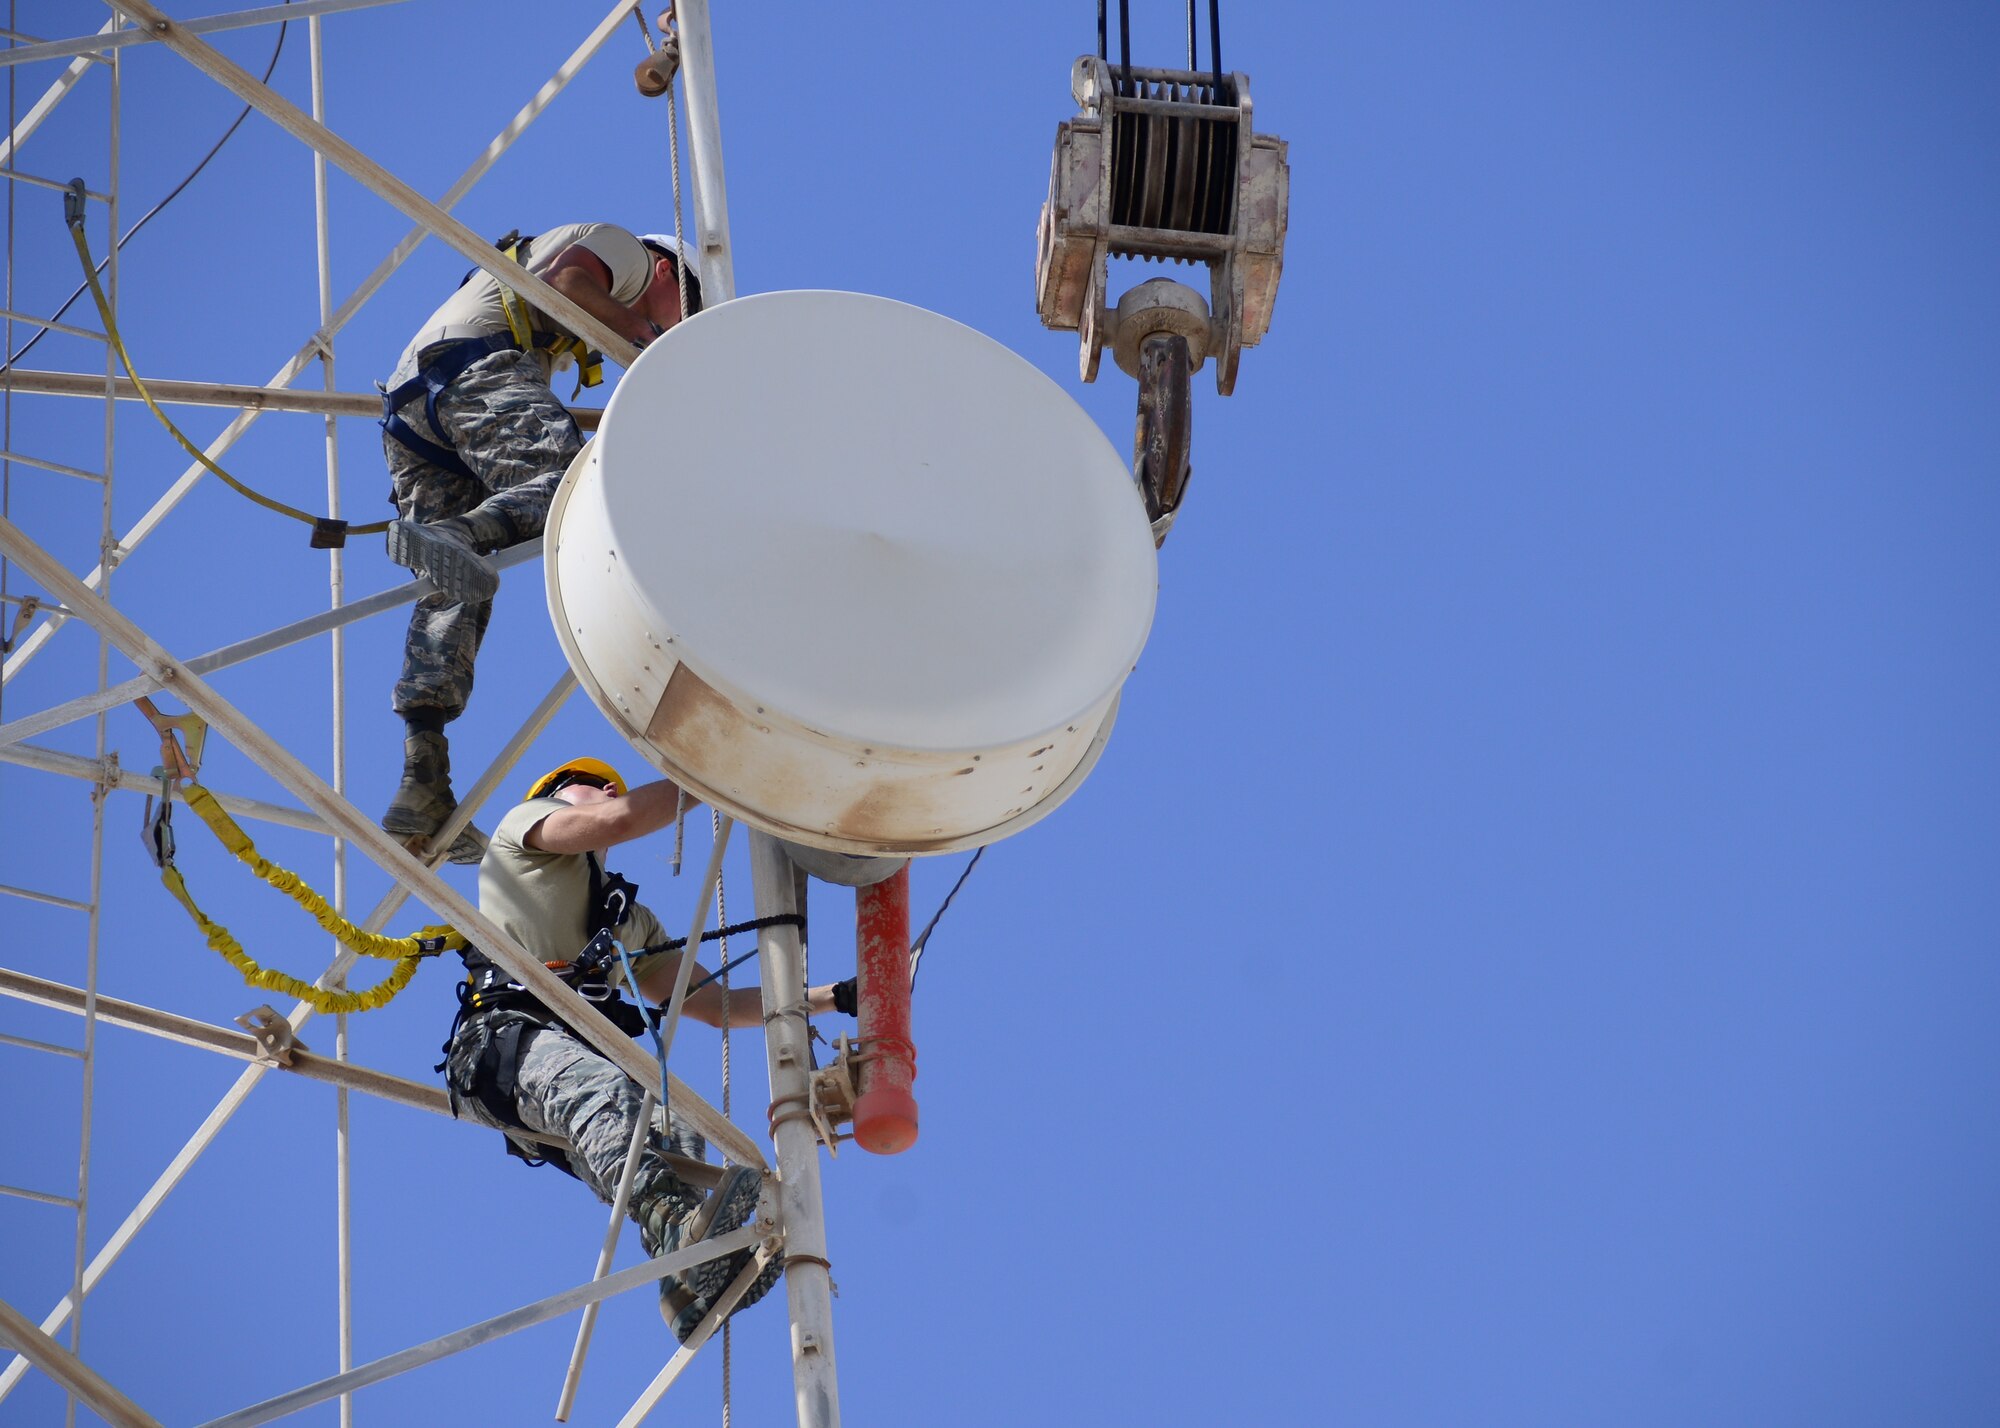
276 1041
834 1091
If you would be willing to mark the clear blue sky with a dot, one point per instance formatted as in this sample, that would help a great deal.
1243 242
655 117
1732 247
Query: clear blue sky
1528 955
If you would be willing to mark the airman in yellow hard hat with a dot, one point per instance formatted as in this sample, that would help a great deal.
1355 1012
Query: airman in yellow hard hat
512 1063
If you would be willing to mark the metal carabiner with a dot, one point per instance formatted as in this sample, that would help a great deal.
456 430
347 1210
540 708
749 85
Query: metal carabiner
156 830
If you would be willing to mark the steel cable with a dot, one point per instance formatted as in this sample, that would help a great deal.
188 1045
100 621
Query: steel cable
150 213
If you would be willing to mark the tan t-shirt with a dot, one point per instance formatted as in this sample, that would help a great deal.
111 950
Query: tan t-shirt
476 310
542 900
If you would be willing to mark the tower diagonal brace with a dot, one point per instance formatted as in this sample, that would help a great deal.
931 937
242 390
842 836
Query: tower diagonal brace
359 829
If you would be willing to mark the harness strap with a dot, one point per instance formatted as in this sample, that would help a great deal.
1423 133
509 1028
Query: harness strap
446 364
589 364
504 1052
501 1013
448 361
495 1078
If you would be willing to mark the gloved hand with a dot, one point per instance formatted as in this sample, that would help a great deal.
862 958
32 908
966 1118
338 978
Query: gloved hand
844 996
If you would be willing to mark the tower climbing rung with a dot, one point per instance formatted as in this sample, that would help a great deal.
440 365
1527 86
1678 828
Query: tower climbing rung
29 1044
16 176
57 467
29 319
50 898
66 1201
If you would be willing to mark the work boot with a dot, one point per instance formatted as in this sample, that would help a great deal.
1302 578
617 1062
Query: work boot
443 553
665 1206
664 1227
424 799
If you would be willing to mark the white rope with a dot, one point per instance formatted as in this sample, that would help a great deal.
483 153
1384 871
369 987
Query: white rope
674 149
672 38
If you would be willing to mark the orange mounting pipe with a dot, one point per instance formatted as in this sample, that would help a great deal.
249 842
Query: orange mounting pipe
885 1112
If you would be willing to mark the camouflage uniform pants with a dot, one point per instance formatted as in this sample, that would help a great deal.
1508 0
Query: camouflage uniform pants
566 1090
518 439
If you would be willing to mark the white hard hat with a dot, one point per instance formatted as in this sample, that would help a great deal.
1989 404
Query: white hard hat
690 259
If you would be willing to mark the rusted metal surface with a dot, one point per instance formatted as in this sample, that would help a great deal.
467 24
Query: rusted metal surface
1163 165
885 1111
1165 437
889 802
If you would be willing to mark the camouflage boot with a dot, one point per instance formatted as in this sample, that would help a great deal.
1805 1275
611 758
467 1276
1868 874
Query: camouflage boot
664 1204
424 799
733 1203
730 1207
444 553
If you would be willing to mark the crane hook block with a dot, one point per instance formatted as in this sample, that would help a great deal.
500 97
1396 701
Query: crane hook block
1162 164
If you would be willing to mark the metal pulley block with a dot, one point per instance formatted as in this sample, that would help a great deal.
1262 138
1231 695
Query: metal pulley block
1162 164
655 74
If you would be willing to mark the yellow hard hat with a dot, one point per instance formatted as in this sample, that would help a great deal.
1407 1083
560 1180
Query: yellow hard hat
577 768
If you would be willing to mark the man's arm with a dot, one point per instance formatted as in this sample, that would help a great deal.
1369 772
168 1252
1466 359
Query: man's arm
746 1004
581 276
584 828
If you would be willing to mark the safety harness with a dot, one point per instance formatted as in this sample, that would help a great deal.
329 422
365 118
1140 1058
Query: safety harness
445 362
497 1014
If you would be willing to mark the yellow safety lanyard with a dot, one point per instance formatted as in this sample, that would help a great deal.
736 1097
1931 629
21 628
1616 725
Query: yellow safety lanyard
405 952
589 364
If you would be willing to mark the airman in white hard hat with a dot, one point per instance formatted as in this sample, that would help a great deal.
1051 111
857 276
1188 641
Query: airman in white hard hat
476 442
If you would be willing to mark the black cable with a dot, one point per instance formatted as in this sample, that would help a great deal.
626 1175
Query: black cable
924 937
779 919
792 919
1214 43
749 956
1125 39
28 346
1191 48
1103 48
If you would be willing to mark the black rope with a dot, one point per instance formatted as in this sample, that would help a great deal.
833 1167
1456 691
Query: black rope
1125 39
781 919
1191 49
924 937
82 288
1103 47
1214 43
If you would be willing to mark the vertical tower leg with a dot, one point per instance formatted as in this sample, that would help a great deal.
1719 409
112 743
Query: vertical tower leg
808 1282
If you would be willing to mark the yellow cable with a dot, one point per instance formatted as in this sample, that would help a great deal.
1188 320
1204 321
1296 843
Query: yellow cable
270 980
338 528
406 952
